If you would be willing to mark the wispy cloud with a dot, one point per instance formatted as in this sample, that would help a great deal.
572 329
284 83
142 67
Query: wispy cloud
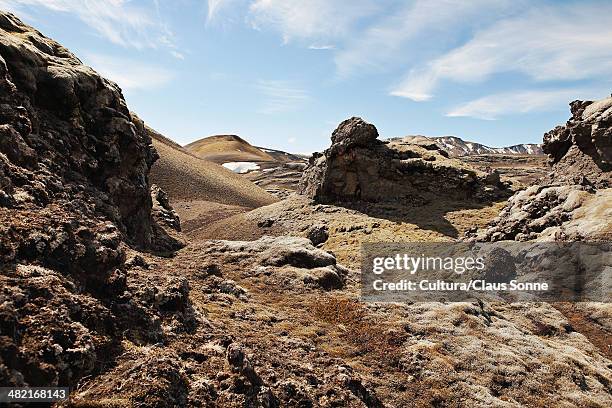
321 47
119 21
215 7
281 96
491 107
319 20
562 43
397 37
129 74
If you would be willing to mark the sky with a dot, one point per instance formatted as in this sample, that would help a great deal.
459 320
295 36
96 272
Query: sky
283 73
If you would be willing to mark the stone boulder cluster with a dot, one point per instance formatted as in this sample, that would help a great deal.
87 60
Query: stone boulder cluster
358 167
74 190
573 201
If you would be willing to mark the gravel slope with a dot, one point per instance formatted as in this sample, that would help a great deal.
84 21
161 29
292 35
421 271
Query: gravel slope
185 177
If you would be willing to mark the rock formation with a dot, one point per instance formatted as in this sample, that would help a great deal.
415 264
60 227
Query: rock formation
74 190
573 201
359 167
294 261
87 302
581 151
66 134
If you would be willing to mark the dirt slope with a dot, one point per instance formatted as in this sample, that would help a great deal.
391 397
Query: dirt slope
185 177
227 148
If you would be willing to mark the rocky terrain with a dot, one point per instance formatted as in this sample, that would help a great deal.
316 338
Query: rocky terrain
179 295
74 194
457 147
520 170
280 179
572 202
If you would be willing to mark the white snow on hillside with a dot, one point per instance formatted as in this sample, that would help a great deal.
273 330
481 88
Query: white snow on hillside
241 167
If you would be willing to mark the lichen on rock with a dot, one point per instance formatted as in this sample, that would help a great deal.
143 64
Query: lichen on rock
74 195
573 201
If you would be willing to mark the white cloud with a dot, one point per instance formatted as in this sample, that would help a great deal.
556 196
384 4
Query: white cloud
493 106
292 140
321 47
215 7
177 54
281 96
321 20
129 74
561 43
119 21
413 28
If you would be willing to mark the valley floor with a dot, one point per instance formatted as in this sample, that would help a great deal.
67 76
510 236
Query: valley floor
261 325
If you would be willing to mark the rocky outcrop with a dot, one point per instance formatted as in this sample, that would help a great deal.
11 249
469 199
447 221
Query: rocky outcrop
74 190
162 208
581 151
573 201
67 135
288 261
359 167
555 213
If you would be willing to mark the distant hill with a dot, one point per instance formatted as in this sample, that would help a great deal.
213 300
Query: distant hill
223 149
186 177
456 146
227 148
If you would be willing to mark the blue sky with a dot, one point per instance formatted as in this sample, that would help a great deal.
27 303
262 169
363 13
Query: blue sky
284 73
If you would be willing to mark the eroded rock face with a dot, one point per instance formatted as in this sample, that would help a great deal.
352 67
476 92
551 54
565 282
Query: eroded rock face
573 201
66 134
359 167
74 190
581 151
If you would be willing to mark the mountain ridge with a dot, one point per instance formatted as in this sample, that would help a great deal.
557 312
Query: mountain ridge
456 146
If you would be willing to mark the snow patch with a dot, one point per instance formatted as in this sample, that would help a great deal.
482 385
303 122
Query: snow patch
241 167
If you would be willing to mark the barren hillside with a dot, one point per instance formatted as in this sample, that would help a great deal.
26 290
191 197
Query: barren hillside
227 148
186 177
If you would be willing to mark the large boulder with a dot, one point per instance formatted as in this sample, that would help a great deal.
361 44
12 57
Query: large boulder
354 132
285 260
359 167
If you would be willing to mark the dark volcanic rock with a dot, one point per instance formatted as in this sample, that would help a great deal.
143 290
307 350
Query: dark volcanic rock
581 151
354 132
66 133
74 190
359 167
